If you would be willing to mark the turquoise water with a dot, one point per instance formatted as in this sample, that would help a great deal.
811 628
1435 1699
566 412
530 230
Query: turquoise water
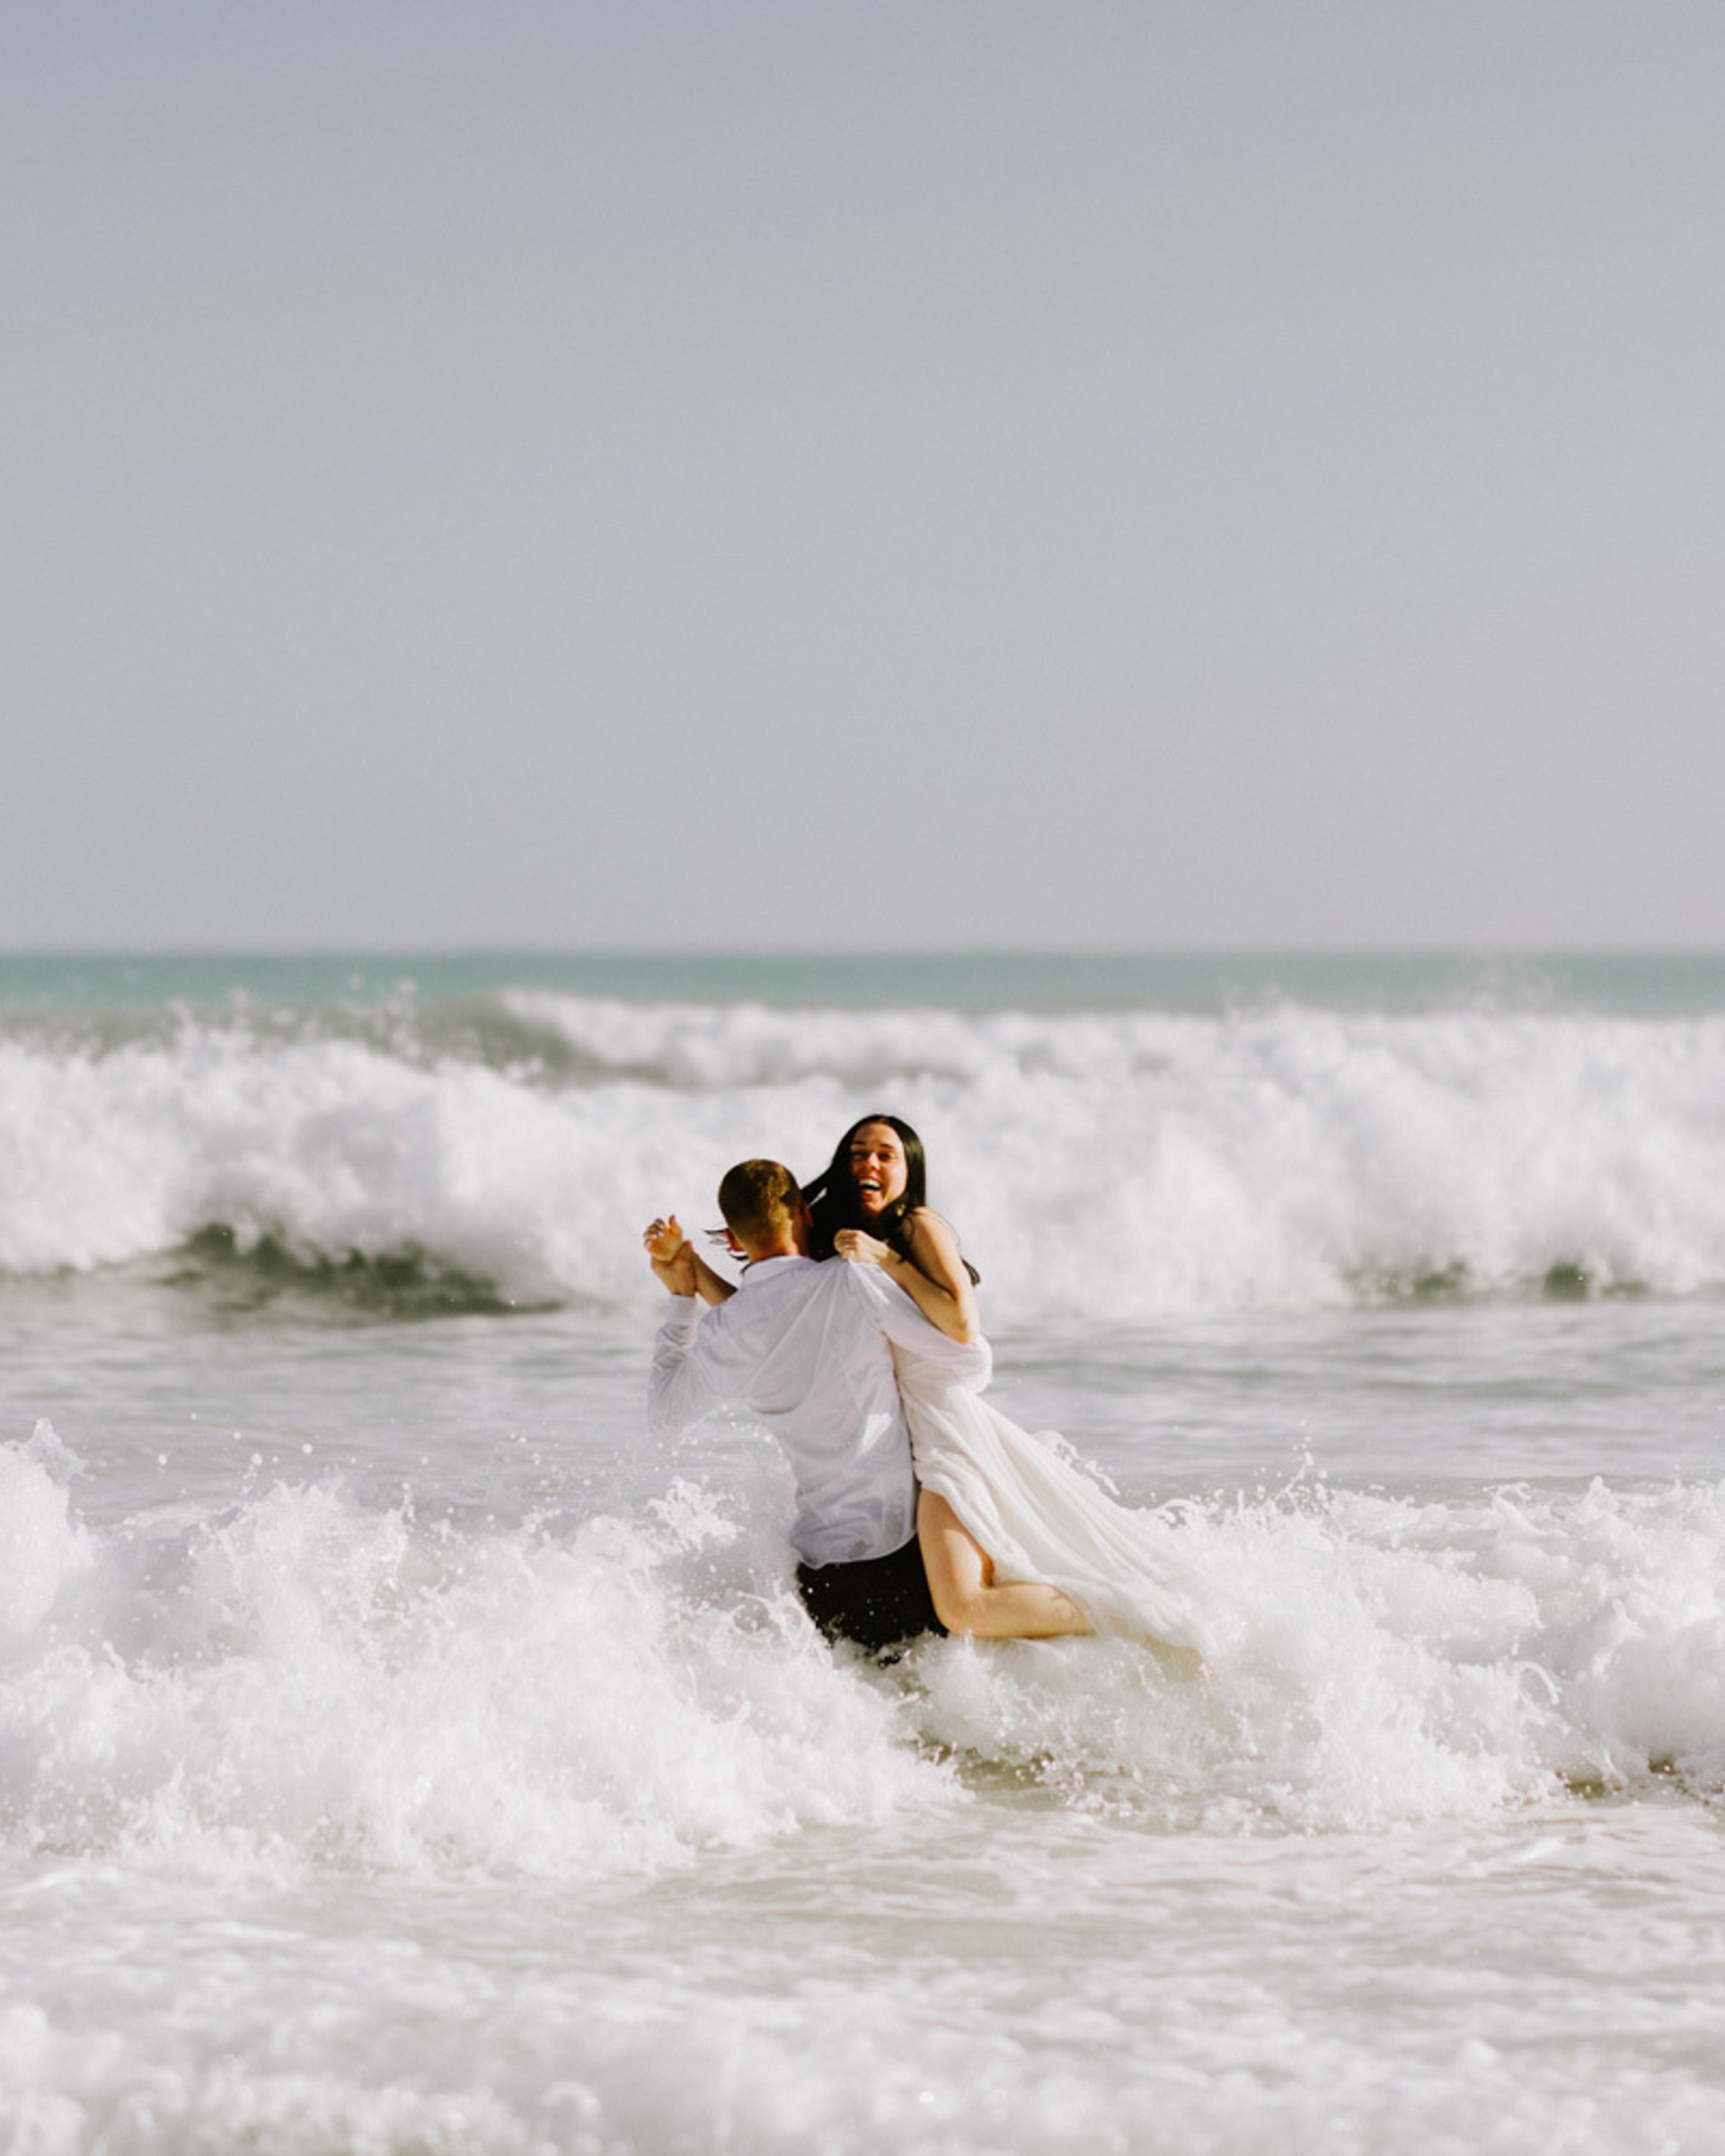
1650 982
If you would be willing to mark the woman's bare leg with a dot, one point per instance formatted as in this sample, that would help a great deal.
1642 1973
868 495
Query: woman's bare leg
962 1581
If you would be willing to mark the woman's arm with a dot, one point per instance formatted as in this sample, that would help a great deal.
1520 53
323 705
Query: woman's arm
711 1287
934 1275
667 1244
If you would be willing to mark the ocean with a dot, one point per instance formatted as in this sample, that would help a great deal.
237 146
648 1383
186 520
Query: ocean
400 1751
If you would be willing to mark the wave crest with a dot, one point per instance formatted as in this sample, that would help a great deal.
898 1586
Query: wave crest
1100 1167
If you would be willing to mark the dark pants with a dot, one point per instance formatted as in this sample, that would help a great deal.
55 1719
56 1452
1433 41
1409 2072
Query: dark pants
877 1601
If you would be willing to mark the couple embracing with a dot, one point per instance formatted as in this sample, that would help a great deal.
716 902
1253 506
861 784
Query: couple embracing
919 1508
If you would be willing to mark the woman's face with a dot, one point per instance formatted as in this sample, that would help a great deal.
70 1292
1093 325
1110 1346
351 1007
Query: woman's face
877 1167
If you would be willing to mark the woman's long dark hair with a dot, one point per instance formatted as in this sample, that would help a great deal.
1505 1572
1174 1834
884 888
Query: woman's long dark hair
832 1195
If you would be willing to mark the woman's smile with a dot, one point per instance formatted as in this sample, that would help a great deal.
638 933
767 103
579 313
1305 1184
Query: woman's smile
877 1167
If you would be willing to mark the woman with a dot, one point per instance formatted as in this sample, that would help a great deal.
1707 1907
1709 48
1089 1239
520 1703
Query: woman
1017 1543
870 1207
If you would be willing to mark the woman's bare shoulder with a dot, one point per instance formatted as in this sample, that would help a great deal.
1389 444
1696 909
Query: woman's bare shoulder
932 1229
933 1247
921 1216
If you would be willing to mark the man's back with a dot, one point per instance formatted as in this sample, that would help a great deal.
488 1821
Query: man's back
806 1346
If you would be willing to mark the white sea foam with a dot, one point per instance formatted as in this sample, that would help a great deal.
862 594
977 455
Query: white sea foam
304 1680
301 1681
41 1548
1380 1660
1103 1166
335 1821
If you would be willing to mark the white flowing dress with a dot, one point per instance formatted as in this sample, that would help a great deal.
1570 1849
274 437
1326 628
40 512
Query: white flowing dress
1040 1517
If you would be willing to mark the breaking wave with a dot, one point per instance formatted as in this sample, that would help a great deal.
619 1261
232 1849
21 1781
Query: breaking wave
1101 1166
303 1679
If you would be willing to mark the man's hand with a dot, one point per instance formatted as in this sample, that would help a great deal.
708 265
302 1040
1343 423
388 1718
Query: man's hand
671 1255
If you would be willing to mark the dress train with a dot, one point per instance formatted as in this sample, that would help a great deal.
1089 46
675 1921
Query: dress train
1040 1517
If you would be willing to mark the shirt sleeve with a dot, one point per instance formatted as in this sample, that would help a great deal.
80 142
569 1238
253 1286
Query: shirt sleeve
970 1362
682 1388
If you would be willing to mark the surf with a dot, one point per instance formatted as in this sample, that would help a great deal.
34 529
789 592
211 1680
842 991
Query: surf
1161 1164
297 1678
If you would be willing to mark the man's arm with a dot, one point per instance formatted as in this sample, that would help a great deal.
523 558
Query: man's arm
681 1389
683 1386
971 1362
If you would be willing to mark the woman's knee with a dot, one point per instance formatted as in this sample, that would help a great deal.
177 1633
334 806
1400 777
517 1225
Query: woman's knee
958 1609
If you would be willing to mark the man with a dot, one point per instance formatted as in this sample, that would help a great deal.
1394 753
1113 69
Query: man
808 1348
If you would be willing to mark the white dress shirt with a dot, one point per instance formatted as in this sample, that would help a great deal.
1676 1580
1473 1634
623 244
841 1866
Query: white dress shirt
805 1345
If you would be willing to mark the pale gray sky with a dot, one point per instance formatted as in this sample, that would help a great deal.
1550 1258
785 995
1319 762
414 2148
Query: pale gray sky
934 475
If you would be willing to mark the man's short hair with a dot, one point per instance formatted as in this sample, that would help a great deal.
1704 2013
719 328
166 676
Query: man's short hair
758 1196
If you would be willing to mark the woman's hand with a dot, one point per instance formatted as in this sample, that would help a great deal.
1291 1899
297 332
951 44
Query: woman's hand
671 1254
663 1240
861 1249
